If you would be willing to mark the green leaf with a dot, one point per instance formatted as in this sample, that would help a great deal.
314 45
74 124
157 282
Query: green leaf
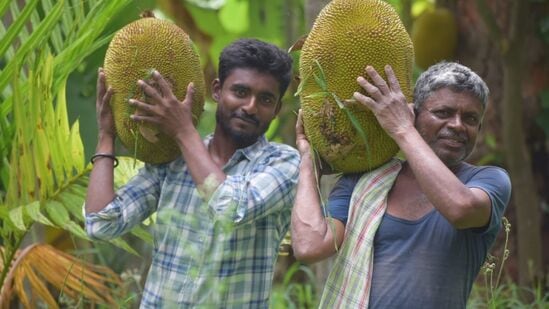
73 202
43 170
37 37
234 16
60 217
15 28
142 234
301 85
33 211
57 213
16 217
120 243
317 95
321 78
356 124
76 147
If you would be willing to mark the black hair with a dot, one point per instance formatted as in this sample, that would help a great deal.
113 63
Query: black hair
259 55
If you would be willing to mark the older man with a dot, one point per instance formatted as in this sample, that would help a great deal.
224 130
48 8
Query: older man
413 233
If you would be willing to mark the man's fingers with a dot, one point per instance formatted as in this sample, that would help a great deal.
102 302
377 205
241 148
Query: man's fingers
144 118
107 97
100 83
372 90
393 81
189 95
144 107
149 90
377 80
365 100
299 123
163 84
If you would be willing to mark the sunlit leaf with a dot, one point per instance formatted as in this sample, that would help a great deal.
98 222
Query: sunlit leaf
33 211
16 217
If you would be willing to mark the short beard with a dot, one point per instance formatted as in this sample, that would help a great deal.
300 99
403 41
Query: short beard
241 139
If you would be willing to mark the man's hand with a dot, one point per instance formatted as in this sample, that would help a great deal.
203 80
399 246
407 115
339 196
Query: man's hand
105 120
301 141
304 148
386 102
173 117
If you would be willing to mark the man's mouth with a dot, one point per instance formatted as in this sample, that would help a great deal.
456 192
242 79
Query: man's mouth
453 141
247 120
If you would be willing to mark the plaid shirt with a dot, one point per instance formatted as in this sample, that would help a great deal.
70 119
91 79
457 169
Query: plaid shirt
215 252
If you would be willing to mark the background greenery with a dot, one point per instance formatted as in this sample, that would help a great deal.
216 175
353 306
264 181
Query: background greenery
49 55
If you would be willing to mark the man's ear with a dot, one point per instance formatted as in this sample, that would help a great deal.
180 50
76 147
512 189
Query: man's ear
216 89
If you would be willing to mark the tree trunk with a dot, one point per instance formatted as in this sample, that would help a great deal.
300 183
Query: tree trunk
517 156
512 61
312 8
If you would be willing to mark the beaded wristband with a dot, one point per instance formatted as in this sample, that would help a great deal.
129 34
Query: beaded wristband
104 155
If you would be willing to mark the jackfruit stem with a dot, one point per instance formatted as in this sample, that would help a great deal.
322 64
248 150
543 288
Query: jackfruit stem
147 13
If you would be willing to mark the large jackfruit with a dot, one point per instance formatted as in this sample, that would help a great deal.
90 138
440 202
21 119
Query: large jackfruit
435 36
135 50
347 36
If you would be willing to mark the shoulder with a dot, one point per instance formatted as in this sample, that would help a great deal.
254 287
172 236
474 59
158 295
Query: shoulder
492 179
281 148
279 152
486 173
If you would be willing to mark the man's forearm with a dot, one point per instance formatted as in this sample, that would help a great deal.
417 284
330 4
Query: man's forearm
101 185
442 187
312 239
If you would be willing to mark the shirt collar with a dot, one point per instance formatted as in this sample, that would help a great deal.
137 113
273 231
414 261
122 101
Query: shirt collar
248 152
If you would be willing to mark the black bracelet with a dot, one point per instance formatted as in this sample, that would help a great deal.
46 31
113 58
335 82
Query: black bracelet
104 155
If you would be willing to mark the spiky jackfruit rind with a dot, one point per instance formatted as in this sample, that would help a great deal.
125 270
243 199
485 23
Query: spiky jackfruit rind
434 35
347 36
135 50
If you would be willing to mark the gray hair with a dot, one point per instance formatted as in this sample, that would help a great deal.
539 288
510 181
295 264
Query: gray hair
451 75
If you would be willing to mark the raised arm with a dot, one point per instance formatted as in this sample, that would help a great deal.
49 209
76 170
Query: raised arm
314 237
463 207
101 186
174 118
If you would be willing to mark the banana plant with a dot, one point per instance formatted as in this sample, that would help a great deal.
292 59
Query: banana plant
43 175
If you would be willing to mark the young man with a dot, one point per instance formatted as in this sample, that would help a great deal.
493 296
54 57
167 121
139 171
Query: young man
224 206
410 234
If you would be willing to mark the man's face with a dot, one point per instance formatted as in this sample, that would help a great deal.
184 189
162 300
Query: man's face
449 122
248 101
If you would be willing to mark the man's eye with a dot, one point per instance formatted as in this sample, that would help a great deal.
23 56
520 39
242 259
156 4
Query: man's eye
442 113
240 92
471 120
267 101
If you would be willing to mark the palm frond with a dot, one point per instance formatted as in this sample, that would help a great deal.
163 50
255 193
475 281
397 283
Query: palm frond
40 266
69 29
43 176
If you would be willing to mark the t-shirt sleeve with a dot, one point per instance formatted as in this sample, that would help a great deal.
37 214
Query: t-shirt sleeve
496 183
340 197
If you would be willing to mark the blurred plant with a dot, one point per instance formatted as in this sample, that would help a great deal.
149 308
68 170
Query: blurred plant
490 264
293 294
493 294
43 175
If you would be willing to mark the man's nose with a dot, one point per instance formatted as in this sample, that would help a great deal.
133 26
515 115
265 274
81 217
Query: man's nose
456 122
251 106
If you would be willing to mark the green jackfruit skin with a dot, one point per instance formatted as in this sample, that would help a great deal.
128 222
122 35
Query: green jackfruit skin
347 36
135 50
435 36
